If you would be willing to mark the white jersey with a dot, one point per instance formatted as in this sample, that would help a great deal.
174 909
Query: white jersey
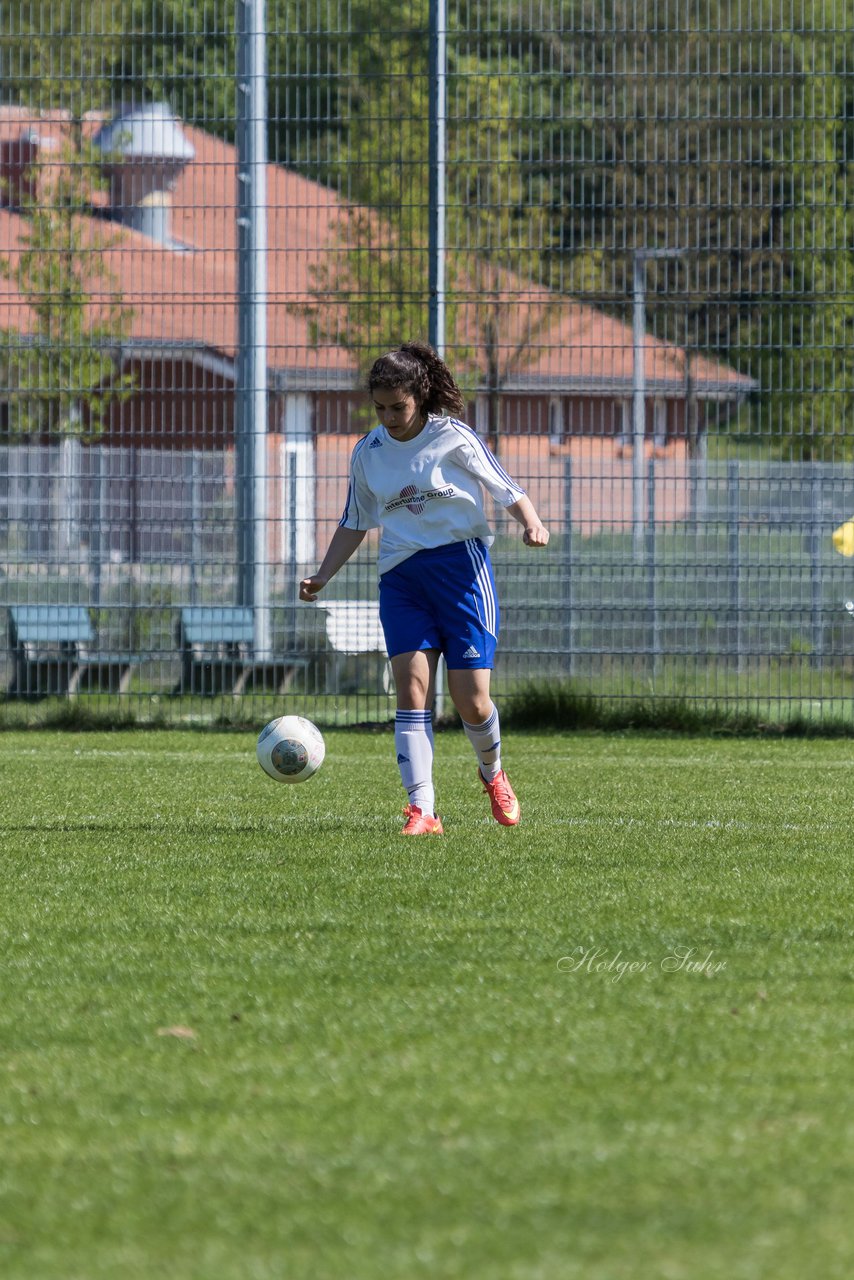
424 492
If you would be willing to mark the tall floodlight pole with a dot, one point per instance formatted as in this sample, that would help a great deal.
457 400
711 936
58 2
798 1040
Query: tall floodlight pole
436 153
250 424
437 70
639 391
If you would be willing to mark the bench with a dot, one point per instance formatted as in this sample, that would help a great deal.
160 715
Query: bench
216 645
54 649
353 628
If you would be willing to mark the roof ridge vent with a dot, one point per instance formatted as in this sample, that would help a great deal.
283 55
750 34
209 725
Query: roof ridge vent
144 152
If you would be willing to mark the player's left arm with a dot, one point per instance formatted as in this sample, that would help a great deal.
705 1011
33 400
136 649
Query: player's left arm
536 534
482 463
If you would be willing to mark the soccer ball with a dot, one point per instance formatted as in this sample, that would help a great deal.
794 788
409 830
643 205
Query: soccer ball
290 749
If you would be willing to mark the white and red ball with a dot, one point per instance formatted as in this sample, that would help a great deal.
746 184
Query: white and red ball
290 749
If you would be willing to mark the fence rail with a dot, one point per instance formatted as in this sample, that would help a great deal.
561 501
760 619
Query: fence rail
646 220
746 590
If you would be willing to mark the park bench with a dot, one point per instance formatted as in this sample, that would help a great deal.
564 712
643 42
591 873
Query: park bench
55 650
216 647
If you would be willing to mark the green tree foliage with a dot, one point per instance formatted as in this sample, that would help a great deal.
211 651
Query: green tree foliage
60 55
80 55
372 292
61 377
675 141
800 343
577 132
724 132
183 54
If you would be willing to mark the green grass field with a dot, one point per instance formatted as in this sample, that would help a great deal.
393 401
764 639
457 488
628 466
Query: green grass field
247 1032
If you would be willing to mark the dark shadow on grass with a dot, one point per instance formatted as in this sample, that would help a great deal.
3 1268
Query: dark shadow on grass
276 826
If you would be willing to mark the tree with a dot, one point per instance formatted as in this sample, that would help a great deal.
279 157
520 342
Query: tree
59 55
371 292
728 137
589 130
61 378
498 221
801 342
671 146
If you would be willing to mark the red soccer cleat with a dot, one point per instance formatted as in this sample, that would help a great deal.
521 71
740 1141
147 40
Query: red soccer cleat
421 824
502 797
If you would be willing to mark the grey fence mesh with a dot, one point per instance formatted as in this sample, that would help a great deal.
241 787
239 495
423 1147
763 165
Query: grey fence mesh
214 215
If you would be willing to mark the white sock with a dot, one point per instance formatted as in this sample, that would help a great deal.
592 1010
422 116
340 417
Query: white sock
486 740
413 742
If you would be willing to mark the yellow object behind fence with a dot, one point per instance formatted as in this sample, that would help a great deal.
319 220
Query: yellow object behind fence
843 538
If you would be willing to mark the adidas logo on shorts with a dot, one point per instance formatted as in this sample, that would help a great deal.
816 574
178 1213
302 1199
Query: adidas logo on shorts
471 652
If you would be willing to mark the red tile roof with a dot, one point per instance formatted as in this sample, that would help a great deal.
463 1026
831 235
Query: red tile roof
188 295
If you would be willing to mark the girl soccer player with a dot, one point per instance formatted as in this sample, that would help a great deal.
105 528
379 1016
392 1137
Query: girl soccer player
420 476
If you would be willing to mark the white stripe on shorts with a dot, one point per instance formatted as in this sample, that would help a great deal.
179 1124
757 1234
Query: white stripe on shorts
477 555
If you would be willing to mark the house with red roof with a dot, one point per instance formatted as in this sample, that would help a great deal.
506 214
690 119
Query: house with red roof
167 235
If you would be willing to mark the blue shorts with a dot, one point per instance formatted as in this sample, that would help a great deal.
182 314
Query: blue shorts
442 598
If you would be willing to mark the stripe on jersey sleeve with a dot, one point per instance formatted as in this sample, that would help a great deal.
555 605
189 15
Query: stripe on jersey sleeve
486 456
351 501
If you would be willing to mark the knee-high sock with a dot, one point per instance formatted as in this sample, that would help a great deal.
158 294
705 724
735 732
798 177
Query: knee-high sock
486 740
413 742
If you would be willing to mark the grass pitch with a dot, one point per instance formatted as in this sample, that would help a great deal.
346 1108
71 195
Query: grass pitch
247 1032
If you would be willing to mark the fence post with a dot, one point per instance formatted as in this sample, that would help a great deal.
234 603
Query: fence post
67 497
437 89
132 480
567 628
815 529
96 551
734 560
436 144
698 480
195 527
650 565
291 588
250 425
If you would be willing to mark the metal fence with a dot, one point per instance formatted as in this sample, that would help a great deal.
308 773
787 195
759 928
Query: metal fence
629 228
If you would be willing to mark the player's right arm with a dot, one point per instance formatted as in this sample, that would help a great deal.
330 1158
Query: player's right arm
344 543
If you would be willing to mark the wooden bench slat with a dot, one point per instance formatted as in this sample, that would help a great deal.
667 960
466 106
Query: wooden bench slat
216 644
51 624
54 649
216 625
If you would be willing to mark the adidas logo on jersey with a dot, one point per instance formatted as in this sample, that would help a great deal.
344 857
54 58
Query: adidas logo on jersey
471 652
376 443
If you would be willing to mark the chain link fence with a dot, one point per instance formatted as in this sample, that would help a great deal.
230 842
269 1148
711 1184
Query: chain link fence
645 231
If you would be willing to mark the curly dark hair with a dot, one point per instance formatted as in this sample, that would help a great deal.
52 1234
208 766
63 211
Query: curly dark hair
417 369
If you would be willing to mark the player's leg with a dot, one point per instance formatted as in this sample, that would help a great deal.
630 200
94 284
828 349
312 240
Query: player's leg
471 621
412 646
469 689
415 680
